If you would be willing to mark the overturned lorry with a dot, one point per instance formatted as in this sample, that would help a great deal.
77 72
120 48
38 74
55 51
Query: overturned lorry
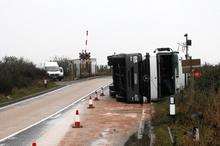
126 75
136 79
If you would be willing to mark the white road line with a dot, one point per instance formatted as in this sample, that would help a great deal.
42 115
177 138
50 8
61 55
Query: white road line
56 116
75 102
83 99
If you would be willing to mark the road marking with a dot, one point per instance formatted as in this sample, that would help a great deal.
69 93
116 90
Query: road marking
83 99
44 119
56 116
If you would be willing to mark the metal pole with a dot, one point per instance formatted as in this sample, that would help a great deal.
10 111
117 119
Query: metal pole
186 55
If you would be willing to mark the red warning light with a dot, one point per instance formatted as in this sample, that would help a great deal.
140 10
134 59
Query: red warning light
197 73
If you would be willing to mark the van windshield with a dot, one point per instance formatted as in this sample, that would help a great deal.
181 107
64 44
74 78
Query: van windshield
52 68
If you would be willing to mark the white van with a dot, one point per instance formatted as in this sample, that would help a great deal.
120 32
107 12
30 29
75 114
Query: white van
54 71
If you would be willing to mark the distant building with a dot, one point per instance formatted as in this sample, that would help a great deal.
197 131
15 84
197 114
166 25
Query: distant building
83 68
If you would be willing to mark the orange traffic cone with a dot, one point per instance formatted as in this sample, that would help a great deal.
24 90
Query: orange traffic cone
34 144
91 103
102 92
96 96
76 124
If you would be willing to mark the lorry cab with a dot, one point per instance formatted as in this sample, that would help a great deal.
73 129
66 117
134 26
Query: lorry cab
166 73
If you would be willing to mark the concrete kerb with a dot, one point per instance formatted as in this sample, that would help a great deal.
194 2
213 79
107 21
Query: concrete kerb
61 110
145 127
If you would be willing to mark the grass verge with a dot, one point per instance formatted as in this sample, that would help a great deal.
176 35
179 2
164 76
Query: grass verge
195 110
24 93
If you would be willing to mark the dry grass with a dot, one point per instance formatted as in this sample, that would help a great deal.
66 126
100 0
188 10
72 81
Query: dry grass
18 94
202 98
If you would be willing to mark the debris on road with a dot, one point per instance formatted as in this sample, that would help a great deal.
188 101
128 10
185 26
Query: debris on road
110 123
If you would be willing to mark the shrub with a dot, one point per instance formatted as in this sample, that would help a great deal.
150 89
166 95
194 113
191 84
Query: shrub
210 78
17 73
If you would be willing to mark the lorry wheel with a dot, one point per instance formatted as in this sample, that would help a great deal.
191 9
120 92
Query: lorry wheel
119 99
112 94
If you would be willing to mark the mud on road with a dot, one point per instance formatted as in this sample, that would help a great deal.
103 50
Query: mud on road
110 123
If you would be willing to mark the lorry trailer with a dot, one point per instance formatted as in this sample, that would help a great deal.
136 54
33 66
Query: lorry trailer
126 75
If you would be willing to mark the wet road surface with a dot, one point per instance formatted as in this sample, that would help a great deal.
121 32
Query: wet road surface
26 113
49 132
109 123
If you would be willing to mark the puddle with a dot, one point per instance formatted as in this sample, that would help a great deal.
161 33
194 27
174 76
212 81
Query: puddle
131 115
110 114
100 142
107 132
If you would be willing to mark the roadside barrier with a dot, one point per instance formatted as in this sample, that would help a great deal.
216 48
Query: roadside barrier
76 124
96 96
102 92
91 103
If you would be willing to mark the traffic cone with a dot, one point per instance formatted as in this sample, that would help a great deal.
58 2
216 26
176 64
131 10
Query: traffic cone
34 144
91 103
102 92
96 96
76 124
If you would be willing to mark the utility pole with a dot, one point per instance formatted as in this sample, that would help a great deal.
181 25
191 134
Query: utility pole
187 44
187 48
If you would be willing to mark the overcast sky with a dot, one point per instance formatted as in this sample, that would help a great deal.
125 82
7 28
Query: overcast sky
40 29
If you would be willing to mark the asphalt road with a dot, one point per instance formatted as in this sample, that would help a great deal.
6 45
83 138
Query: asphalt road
26 113
50 131
109 123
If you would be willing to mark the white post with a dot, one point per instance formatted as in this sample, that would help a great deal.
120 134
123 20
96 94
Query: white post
196 134
172 106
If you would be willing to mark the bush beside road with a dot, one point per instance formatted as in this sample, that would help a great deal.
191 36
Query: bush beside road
17 73
19 78
198 106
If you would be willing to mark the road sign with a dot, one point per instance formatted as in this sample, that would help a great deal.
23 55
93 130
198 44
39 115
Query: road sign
189 42
190 64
